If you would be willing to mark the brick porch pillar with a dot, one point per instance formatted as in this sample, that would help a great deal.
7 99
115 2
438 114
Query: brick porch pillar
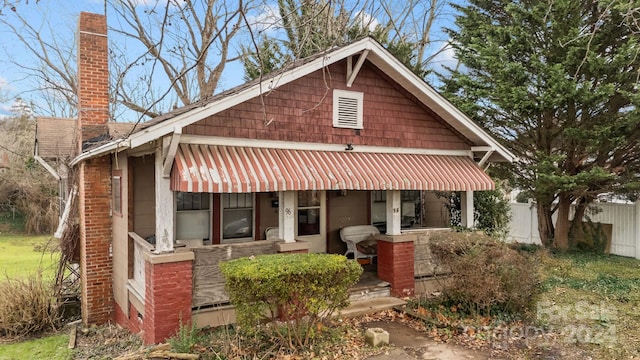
168 292
395 262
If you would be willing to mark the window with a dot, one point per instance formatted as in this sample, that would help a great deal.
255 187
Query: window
237 216
308 212
193 216
116 192
411 209
347 109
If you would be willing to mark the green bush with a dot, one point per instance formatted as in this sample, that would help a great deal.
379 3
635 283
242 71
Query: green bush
27 306
486 274
186 338
294 292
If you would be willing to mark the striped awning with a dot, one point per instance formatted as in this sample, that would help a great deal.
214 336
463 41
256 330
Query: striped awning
226 169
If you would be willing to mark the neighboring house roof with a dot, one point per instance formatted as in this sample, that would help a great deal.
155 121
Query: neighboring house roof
374 52
57 137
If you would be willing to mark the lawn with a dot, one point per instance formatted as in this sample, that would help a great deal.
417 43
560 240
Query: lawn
51 348
592 301
22 255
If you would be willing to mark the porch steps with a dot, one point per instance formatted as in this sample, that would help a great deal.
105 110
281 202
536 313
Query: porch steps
369 306
364 292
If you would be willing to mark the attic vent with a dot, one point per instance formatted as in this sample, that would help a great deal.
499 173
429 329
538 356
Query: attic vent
347 109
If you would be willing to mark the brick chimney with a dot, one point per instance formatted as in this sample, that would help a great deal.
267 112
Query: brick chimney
93 76
94 175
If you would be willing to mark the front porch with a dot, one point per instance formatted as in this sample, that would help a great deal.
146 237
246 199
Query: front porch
165 290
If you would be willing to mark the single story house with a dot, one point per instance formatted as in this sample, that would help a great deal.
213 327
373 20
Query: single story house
349 136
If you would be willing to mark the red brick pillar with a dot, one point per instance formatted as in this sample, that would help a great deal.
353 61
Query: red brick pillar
94 203
395 263
168 292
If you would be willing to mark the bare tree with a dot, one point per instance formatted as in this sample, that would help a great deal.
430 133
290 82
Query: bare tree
186 43
309 26
163 55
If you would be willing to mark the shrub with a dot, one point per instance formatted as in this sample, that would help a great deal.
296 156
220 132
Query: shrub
186 338
486 274
27 306
303 289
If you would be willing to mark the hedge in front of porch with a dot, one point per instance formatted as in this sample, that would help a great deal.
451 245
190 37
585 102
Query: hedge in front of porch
303 289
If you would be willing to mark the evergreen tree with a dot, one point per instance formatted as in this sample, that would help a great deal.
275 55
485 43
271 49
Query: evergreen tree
557 82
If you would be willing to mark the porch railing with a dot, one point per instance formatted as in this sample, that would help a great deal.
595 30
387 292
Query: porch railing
137 263
208 281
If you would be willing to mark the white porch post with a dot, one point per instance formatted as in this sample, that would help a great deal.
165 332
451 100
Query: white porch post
164 207
394 215
466 209
287 216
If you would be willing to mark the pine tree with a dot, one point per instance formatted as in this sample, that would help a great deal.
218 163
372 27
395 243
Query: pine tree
557 82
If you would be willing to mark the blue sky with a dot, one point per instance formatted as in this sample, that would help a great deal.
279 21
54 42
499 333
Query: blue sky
60 17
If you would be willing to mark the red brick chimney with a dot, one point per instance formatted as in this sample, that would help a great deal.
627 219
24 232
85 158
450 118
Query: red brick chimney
93 75
94 175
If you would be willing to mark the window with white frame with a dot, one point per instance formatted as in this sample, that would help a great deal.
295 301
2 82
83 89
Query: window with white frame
237 216
193 216
411 209
347 109
308 212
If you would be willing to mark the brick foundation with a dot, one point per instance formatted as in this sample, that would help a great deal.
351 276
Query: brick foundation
395 263
167 299
132 322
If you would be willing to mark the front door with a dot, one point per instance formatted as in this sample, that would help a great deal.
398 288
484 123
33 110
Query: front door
311 219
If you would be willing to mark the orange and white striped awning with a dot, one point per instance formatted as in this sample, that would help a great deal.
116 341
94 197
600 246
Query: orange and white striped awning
226 169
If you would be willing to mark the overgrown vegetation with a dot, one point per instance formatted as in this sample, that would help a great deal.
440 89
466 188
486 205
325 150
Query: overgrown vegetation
25 186
27 306
487 276
294 293
491 211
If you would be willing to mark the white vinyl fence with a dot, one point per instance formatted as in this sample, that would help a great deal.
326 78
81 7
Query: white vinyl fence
625 220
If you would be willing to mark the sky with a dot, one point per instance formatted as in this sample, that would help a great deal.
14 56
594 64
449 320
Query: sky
59 17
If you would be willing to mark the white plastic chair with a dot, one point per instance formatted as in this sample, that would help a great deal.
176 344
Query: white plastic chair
352 235
272 233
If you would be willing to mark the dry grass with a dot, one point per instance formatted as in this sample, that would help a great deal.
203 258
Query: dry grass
27 306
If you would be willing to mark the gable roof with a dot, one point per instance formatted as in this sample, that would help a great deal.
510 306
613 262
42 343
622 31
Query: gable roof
56 138
376 54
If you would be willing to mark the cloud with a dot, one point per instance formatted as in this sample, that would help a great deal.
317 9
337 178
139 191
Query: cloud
366 21
267 20
445 57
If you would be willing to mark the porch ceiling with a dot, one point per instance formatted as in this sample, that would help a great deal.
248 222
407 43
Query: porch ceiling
228 169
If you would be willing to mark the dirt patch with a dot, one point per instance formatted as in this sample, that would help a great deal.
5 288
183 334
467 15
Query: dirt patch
104 342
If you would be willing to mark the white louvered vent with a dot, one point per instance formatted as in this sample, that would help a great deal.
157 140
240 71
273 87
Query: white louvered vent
347 109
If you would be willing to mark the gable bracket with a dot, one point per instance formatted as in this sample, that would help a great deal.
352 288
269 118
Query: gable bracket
485 158
171 153
353 72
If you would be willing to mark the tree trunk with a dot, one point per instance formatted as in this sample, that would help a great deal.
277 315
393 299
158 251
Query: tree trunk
545 224
561 235
577 226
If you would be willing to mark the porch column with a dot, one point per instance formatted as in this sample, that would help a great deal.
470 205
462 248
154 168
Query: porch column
394 215
164 207
466 209
287 216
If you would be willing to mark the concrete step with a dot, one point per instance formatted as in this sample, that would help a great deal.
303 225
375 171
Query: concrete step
369 293
369 306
